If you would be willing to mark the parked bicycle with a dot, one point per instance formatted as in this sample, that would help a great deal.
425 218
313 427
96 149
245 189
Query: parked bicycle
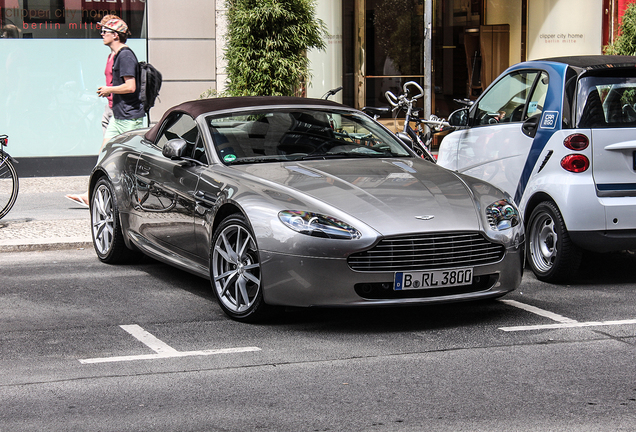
8 178
421 140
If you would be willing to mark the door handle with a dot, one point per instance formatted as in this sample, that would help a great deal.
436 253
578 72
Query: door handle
530 126
205 198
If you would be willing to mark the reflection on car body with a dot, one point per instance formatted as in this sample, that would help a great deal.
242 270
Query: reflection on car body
298 202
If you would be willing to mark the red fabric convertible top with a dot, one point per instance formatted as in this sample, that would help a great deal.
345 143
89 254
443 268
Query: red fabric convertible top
203 106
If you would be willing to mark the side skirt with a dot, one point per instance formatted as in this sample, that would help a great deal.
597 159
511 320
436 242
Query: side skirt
168 257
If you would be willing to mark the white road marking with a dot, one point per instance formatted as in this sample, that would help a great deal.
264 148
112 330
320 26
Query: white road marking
563 322
569 325
538 311
149 340
161 349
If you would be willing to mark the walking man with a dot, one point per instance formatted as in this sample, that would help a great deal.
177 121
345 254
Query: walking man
128 110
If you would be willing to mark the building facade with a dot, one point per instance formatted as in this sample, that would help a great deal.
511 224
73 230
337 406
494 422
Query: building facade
52 59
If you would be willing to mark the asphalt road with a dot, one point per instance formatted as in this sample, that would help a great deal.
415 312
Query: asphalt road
88 346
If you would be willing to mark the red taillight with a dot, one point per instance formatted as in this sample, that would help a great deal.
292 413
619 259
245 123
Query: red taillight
576 142
575 163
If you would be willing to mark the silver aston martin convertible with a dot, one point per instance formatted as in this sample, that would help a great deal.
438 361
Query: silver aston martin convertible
299 202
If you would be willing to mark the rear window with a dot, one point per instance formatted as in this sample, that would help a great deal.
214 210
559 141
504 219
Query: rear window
606 102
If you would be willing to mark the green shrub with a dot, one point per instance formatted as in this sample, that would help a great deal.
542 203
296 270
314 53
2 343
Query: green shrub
625 43
267 42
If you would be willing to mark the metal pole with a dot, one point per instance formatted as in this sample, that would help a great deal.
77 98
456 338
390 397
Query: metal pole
428 58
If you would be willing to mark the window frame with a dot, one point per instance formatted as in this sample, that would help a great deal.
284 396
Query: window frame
474 111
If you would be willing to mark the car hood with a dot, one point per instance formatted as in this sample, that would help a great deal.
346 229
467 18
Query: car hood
393 196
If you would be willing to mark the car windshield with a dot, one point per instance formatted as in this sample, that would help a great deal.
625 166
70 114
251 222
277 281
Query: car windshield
277 135
607 102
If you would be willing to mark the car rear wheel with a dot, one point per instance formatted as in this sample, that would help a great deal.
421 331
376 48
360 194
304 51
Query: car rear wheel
551 254
236 271
108 239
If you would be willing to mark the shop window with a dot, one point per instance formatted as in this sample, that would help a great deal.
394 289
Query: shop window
387 42
66 19
49 104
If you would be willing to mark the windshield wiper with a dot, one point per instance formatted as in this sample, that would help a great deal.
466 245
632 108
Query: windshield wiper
342 155
255 160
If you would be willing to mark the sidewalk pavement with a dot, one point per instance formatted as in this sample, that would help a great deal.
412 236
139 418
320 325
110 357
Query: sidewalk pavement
43 219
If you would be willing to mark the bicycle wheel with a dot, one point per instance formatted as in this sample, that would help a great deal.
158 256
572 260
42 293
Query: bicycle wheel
8 185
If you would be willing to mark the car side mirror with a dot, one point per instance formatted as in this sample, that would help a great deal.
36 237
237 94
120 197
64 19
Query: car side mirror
459 118
175 148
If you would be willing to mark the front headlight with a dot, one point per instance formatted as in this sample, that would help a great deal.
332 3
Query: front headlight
318 225
502 215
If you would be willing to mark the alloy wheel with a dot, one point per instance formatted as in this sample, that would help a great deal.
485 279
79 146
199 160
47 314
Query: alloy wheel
103 220
236 270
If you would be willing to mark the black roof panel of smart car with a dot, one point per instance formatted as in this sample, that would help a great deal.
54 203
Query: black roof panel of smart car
595 61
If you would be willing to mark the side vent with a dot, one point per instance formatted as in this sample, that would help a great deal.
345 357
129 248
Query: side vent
545 161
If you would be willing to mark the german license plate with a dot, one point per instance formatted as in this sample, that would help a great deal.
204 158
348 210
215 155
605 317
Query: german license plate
433 279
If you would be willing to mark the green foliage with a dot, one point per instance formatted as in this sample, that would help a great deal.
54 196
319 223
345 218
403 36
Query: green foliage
625 43
628 97
209 93
267 42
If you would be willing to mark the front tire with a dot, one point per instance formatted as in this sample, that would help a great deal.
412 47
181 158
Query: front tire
9 185
551 254
108 238
236 271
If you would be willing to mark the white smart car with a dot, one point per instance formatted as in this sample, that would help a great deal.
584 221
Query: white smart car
559 135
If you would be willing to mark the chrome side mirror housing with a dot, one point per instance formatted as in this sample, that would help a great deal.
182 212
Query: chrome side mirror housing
175 148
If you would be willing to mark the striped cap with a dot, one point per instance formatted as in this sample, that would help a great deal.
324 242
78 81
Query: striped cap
117 25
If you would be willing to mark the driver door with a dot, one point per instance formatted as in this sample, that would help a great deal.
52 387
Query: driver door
165 190
495 147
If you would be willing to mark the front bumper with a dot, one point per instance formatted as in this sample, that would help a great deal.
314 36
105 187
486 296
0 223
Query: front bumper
307 281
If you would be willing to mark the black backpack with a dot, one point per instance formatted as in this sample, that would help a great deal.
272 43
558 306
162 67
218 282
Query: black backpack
149 83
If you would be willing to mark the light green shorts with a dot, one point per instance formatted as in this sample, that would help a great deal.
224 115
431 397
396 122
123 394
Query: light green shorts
117 126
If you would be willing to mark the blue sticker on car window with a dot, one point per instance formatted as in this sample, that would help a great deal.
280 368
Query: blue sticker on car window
549 120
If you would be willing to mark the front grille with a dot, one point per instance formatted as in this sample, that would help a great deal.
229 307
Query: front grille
427 252
385 291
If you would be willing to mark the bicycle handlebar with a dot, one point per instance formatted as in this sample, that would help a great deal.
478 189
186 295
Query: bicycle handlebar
406 85
403 99
331 92
393 99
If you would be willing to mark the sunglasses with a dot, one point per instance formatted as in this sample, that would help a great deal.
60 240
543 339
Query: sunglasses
106 31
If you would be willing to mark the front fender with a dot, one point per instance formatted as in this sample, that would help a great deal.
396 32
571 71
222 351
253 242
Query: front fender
449 150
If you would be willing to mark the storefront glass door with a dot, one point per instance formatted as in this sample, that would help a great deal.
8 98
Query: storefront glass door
386 38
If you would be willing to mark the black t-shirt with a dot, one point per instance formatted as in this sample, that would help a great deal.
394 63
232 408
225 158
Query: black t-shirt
126 106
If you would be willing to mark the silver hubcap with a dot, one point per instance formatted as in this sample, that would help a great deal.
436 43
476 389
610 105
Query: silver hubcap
236 269
102 219
543 242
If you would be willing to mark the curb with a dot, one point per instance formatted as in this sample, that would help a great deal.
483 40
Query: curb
47 245
37 235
